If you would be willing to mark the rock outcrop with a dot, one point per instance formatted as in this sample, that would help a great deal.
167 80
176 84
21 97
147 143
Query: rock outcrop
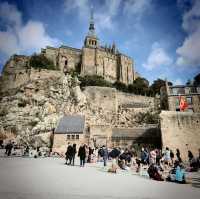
32 102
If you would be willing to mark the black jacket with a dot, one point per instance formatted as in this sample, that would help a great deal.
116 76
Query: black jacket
82 152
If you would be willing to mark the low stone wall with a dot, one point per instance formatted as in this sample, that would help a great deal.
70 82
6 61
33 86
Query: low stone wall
135 101
181 130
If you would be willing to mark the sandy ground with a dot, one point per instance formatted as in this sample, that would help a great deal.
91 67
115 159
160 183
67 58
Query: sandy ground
49 178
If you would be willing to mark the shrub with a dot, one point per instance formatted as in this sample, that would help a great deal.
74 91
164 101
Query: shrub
120 86
147 118
41 62
94 80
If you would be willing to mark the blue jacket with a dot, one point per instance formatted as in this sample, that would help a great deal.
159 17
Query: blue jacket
180 174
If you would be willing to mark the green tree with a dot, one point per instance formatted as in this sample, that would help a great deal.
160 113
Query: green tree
93 80
156 86
140 86
41 62
120 86
197 80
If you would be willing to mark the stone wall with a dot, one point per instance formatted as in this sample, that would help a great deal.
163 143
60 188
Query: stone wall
108 62
71 55
125 69
88 62
60 142
93 61
135 101
51 53
181 130
102 97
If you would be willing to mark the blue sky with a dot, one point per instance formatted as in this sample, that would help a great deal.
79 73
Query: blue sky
161 36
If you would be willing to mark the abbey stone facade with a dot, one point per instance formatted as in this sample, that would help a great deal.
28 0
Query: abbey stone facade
93 59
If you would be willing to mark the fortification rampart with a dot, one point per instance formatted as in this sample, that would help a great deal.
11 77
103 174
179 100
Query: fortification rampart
181 130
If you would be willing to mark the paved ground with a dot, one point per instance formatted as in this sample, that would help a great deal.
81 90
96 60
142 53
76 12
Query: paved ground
49 178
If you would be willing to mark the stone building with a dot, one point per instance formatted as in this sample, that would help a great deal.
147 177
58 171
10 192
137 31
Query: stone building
190 93
93 59
71 128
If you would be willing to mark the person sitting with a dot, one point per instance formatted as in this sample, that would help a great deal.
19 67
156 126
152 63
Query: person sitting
113 168
177 173
180 174
193 162
154 173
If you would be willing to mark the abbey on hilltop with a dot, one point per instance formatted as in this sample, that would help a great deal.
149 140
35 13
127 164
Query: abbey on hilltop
93 59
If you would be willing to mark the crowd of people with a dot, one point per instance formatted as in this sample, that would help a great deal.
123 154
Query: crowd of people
156 164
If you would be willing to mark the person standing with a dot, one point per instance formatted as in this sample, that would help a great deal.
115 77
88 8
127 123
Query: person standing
82 155
167 158
144 156
178 155
68 154
105 155
73 153
9 147
172 157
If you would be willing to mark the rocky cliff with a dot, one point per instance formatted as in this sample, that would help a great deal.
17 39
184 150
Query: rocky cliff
32 102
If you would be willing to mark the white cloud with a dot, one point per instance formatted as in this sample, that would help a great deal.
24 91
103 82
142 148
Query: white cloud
81 5
157 57
104 15
178 82
136 7
189 51
9 13
33 36
19 38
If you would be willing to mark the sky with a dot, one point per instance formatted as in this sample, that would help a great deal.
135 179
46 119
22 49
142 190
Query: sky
161 36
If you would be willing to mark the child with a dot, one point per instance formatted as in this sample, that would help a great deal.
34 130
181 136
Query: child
114 166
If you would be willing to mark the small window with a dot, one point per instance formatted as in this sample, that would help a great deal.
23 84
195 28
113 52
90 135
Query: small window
68 137
73 137
77 137
189 100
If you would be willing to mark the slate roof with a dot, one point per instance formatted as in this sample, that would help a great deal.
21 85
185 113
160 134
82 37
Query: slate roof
71 124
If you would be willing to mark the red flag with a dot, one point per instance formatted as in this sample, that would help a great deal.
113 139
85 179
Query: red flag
183 104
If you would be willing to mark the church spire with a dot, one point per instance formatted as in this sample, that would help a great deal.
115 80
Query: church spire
91 27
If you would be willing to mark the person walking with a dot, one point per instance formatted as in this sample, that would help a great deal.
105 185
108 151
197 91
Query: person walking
82 155
73 153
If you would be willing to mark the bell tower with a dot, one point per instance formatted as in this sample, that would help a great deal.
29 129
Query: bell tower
91 39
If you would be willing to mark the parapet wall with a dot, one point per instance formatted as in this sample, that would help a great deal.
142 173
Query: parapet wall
135 101
181 130
110 99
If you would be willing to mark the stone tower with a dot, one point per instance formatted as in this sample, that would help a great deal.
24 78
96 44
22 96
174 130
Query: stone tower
91 39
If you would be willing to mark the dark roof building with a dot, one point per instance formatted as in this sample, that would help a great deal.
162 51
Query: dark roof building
69 124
